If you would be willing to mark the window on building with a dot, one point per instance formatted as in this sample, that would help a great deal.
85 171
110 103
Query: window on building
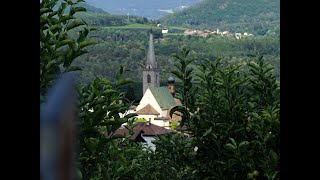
148 78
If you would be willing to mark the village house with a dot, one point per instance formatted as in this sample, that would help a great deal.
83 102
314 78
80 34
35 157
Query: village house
247 34
206 33
237 35
165 30
144 133
225 33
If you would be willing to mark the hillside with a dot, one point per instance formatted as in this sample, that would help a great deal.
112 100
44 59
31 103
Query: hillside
90 9
254 16
152 9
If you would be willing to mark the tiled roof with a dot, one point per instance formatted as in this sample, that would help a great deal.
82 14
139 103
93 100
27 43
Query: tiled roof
147 130
122 131
163 96
149 110
151 129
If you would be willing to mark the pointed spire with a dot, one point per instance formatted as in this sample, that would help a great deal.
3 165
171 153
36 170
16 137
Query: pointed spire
151 59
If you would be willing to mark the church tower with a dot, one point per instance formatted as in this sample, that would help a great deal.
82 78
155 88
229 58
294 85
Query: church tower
171 86
151 71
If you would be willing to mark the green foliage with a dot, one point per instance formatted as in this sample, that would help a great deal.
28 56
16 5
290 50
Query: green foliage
101 103
172 158
139 120
129 46
115 159
57 48
174 125
236 125
80 4
115 21
92 9
185 73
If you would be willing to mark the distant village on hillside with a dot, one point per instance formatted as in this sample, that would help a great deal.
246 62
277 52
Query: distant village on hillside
206 33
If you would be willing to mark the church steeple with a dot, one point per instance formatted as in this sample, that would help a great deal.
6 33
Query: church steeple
151 72
151 59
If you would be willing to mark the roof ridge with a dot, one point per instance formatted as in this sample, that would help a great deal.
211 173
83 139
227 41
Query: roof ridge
148 109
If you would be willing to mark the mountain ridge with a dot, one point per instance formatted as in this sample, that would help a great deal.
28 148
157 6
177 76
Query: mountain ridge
152 9
257 16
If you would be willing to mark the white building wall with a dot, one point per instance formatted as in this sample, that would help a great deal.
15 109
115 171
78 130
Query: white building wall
157 122
164 31
166 124
148 98
161 123
164 113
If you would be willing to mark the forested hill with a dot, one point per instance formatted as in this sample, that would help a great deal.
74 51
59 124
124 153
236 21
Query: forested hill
89 8
92 9
152 9
254 16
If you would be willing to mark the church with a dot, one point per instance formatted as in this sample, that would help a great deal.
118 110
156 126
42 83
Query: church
157 101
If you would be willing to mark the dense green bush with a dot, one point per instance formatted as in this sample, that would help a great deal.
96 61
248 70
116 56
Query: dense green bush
236 122
57 48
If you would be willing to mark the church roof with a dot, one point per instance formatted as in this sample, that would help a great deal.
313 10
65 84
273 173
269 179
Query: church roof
163 97
151 59
171 79
149 110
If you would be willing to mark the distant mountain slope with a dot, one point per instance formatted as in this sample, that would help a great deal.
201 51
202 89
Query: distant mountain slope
255 16
90 9
153 9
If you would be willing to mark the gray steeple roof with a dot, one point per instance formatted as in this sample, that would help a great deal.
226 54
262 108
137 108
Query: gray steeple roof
151 59
171 80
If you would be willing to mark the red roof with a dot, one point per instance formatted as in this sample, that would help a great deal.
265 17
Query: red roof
151 129
149 110
147 129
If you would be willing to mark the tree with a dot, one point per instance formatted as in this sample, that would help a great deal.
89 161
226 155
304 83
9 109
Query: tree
236 123
57 48
101 101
